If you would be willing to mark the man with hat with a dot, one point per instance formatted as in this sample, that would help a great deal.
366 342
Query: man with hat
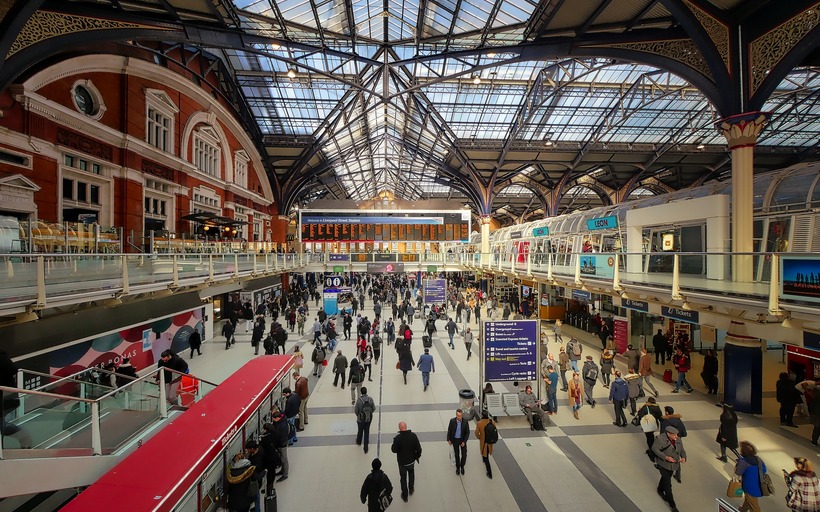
669 454
426 365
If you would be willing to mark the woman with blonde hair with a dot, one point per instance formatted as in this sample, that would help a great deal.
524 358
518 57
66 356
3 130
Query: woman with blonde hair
804 488
575 394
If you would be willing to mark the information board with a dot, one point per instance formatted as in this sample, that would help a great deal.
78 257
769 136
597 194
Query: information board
435 291
510 350
384 226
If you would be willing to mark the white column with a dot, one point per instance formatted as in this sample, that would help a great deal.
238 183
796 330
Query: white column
741 132
485 240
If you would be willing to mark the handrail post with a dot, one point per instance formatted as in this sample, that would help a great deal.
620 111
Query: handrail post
235 265
577 269
616 275
774 287
96 437
126 288
529 263
267 262
163 400
41 281
175 271
549 267
210 267
21 382
676 277
253 255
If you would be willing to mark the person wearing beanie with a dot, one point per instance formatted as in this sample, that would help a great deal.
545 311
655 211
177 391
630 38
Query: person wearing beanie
376 487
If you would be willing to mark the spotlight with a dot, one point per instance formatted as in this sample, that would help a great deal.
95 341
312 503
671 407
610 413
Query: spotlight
476 80
291 73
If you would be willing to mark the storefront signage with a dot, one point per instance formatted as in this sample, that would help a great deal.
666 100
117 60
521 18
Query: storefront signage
338 257
541 232
515 235
610 222
581 295
510 350
801 278
684 315
637 305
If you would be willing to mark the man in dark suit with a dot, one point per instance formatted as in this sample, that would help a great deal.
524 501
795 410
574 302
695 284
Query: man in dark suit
457 434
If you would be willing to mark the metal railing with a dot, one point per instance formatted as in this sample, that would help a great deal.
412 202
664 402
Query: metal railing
49 424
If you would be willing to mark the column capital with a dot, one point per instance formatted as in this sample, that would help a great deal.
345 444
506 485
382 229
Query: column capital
742 130
485 219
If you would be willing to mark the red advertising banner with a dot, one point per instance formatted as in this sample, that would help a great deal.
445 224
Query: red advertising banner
620 333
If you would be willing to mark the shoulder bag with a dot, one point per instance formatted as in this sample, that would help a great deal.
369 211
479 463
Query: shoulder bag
766 484
735 489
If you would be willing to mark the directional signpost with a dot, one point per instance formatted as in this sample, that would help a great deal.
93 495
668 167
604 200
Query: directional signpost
510 351
435 291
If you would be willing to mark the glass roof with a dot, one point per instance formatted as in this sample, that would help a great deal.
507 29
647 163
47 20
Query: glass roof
379 88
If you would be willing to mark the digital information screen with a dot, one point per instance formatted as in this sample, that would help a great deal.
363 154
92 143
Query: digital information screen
384 226
435 291
510 350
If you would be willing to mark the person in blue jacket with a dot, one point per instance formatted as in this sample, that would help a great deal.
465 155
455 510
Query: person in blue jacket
618 395
426 365
749 467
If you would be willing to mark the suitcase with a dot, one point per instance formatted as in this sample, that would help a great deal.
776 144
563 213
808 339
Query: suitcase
426 341
270 501
667 376
537 424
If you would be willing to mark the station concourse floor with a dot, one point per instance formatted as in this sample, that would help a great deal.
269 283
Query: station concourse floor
575 465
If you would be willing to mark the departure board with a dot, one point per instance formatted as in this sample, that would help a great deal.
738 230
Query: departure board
384 226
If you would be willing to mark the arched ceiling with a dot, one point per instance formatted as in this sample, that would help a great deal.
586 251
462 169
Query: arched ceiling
588 101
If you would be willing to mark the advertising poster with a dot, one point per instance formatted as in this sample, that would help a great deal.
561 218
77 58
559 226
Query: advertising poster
384 268
598 265
800 278
435 291
510 350
620 333
142 343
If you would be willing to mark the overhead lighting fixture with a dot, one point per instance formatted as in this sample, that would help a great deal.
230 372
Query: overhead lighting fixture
476 80
700 146
548 143
291 73
275 46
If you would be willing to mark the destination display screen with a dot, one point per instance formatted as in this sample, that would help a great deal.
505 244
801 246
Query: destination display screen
398 226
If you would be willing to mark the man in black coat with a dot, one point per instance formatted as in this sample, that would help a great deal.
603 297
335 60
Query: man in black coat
458 432
292 403
660 346
407 448
376 482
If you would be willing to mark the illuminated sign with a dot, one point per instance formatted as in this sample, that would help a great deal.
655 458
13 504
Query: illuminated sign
610 222
540 231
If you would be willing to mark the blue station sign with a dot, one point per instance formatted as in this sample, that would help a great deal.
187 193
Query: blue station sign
545 231
684 315
510 350
610 222
637 305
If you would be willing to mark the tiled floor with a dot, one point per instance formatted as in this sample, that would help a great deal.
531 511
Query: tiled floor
577 465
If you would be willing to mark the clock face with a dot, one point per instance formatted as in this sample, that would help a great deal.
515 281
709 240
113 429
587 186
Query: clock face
85 103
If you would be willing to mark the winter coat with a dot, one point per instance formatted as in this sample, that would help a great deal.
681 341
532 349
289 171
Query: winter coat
238 478
407 448
406 362
619 390
339 364
748 469
673 420
727 433
663 447
486 449
634 383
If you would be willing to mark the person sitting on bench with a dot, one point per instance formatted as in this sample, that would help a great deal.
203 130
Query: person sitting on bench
530 406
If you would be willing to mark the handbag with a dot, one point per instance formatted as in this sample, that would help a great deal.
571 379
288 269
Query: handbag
324 363
385 499
649 423
253 488
766 484
735 489
398 365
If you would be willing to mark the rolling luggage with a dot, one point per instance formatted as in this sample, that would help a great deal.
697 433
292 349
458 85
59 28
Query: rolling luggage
426 341
667 376
270 501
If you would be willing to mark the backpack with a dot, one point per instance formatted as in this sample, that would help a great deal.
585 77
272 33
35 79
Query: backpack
591 373
320 355
366 412
576 350
490 433
358 375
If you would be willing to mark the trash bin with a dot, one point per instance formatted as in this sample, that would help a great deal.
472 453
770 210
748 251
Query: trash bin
467 400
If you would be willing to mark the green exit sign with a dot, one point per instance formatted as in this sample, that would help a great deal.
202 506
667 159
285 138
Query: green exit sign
338 269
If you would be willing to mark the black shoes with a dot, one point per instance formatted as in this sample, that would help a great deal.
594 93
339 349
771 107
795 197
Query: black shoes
412 490
722 459
677 478
404 497
489 475
282 478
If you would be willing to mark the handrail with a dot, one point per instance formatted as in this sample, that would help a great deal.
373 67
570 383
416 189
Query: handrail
150 374
20 391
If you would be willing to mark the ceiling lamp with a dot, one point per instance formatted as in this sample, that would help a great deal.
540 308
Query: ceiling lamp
548 143
700 146
477 80
291 73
